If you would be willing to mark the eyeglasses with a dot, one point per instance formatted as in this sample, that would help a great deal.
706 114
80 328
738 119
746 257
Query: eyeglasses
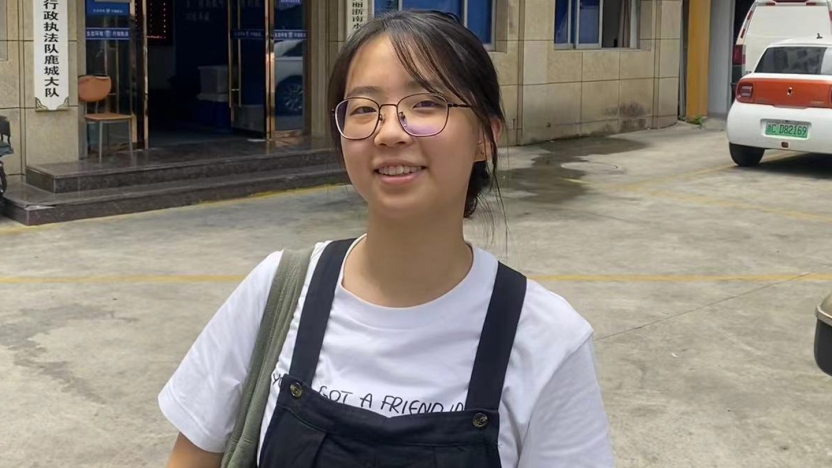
420 115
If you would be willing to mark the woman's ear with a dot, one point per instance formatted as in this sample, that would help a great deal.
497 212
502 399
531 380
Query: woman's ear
484 146
481 152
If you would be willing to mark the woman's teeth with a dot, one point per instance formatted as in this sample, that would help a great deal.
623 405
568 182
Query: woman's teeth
398 170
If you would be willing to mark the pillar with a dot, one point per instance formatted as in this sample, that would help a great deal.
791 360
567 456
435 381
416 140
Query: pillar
698 61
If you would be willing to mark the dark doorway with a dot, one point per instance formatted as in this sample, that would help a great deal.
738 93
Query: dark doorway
187 72
208 73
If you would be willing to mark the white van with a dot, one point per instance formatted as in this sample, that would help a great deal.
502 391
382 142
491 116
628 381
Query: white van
770 21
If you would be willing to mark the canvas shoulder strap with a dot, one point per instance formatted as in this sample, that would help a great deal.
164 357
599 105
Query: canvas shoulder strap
241 449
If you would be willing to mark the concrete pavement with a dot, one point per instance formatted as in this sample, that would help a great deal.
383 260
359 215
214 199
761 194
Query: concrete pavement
700 279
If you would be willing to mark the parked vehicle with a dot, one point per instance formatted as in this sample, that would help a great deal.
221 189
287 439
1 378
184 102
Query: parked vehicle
823 336
770 21
288 75
786 103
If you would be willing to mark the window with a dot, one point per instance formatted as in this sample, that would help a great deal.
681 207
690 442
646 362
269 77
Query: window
826 68
797 60
596 23
477 15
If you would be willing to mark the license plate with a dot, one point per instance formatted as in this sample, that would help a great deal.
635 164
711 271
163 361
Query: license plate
789 130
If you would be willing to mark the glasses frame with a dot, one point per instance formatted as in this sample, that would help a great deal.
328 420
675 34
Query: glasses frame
449 106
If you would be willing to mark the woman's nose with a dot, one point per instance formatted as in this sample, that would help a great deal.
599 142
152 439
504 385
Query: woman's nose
391 131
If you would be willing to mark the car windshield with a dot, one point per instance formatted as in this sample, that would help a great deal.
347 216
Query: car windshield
800 60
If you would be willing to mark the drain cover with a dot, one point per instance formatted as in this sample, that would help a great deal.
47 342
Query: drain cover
585 166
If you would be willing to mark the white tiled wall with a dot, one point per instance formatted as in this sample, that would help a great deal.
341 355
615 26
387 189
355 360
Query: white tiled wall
572 92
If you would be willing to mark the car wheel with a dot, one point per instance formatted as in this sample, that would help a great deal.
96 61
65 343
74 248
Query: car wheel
746 156
290 96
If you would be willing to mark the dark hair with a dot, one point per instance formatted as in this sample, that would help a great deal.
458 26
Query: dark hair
438 43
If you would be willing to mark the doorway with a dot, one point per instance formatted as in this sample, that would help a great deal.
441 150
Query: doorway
224 70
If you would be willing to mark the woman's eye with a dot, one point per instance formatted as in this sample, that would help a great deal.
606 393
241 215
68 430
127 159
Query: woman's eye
426 103
363 110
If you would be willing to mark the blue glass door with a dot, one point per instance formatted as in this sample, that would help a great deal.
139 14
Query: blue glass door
289 36
247 65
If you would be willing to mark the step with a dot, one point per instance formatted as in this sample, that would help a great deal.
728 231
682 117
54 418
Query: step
32 206
115 173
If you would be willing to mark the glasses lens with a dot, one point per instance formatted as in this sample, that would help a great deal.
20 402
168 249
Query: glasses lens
423 114
356 118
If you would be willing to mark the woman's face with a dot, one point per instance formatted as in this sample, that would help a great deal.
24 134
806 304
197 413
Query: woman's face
440 166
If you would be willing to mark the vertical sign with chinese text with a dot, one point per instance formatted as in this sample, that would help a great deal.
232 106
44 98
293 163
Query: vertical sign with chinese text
51 62
357 14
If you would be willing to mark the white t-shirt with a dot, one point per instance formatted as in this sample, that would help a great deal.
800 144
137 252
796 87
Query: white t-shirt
396 361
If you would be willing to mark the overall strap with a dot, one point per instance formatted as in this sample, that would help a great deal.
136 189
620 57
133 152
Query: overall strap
497 340
316 310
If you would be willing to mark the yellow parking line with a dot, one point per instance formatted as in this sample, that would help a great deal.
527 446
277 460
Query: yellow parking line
638 187
121 279
705 200
616 278
769 278
22 229
206 204
778 155
671 178
269 194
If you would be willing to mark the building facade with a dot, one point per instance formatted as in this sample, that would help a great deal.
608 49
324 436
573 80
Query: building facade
205 69
709 64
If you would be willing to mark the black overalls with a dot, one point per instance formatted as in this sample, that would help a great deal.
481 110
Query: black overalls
308 430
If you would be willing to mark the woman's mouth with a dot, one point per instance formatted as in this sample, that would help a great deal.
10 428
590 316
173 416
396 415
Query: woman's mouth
399 171
399 175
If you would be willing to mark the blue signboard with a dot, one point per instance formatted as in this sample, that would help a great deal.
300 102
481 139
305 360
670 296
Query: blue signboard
99 8
290 2
108 34
277 34
248 34
288 34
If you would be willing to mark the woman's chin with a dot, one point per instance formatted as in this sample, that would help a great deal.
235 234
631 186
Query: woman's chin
400 208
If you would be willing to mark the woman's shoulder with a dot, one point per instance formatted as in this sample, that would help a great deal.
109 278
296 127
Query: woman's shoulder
259 279
272 260
547 319
549 322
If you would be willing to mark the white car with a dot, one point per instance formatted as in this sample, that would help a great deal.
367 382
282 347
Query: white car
288 76
770 21
786 103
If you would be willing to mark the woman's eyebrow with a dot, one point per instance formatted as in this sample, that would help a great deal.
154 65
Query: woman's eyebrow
377 90
414 85
364 90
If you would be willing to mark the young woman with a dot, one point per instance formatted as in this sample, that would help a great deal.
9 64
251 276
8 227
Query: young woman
416 349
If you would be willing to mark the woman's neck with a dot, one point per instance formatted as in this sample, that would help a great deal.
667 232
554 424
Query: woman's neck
408 264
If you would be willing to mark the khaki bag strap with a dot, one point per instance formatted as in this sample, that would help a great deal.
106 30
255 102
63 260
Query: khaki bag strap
241 448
